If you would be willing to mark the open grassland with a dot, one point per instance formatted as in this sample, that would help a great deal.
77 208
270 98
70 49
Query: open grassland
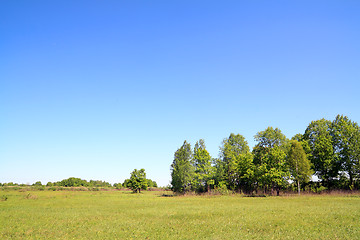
123 215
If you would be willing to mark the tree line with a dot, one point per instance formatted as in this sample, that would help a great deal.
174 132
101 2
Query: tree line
136 182
329 150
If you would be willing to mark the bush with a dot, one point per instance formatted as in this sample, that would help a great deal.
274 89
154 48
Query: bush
38 183
221 188
118 185
39 187
318 189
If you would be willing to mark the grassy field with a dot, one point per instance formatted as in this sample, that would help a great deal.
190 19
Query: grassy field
123 215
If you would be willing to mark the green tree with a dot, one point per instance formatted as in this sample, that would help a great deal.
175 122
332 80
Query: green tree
270 159
182 169
203 170
151 183
154 184
300 167
117 185
73 182
245 171
317 134
126 183
49 184
235 164
38 183
346 143
138 180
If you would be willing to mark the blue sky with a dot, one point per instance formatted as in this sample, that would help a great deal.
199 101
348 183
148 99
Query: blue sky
94 89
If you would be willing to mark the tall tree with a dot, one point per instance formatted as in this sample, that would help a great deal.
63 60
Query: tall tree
269 158
300 167
138 180
182 169
235 162
322 152
346 143
203 168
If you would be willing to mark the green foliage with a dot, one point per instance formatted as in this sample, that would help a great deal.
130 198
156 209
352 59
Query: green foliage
39 188
273 170
151 183
138 180
72 182
99 183
182 169
204 172
270 159
49 184
235 165
118 185
346 144
126 183
221 188
299 165
38 183
10 184
53 188
77 182
322 152
270 138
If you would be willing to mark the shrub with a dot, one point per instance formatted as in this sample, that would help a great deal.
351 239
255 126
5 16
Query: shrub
39 188
221 188
118 185
38 183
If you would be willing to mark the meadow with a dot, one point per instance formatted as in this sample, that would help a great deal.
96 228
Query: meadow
154 215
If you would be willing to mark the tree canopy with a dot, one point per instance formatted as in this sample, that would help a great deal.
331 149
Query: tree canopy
138 180
328 149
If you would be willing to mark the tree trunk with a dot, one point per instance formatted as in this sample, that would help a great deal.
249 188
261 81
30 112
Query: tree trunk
298 183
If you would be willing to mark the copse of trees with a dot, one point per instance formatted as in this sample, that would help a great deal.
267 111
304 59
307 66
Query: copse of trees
328 149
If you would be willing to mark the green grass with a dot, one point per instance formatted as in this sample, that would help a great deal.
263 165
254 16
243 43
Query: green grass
123 215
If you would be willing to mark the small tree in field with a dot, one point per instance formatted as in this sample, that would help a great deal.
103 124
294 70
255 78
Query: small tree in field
138 180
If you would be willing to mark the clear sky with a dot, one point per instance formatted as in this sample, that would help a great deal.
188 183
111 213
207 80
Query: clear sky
94 89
